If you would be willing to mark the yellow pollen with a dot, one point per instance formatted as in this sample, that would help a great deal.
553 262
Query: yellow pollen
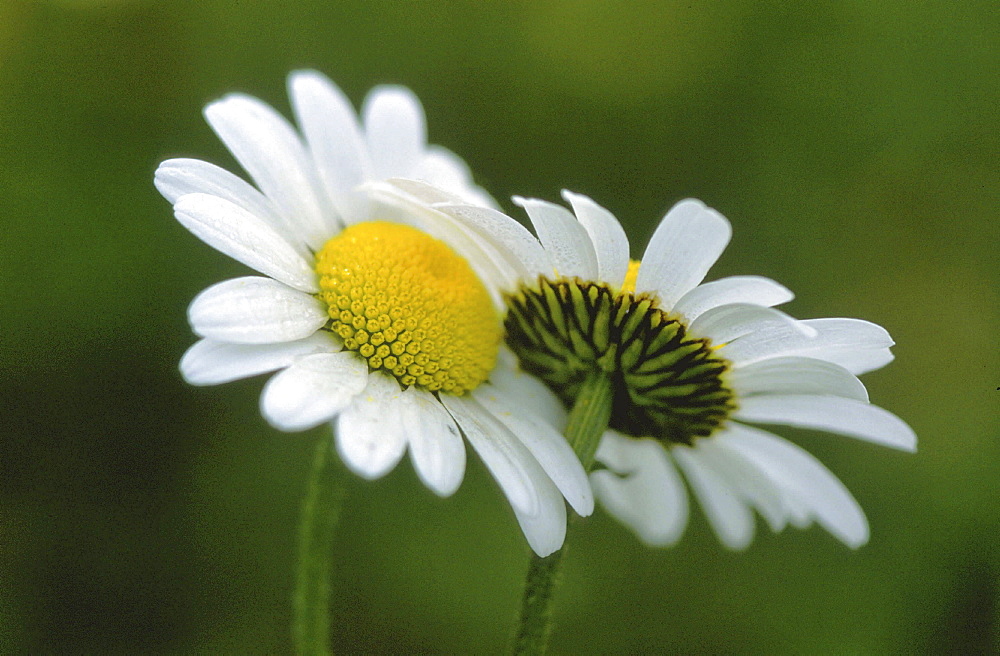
410 306
633 272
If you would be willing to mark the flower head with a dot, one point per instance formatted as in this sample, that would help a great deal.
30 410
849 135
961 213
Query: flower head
691 365
383 322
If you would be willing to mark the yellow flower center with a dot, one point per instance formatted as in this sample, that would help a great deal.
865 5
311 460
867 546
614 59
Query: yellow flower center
410 306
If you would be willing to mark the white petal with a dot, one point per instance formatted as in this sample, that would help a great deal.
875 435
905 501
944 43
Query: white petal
734 289
686 244
641 488
796 375
371 431
835 340
804 479
537 504
565 240
271 152
395 130
420 191
727 323
746 480
313 390
331 129
546 530
519 248
436 446
255 310
829 413
857 345
731 519
443 168
860 361
509 461
209 362
244 237
606 234
178 177
409 199
546 444
530 393
846 331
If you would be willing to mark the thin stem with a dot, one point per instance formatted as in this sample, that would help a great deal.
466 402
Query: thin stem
587 422
536 607
320 513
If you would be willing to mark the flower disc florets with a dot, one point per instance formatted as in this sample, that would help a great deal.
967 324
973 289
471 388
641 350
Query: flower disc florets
409 305
666 383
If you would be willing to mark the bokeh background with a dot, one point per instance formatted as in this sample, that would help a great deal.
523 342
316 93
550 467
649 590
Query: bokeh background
853 145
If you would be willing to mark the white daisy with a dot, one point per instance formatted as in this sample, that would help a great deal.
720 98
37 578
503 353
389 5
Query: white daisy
691 366
383 323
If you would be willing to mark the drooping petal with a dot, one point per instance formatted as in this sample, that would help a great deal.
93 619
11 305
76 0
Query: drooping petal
796 375
730 322
829 413
606 234
728 515
334 137
685 245
244 237
506 458
537 504
806 481
436 446
371 431
565 240
267 146
546 444
313 389
641 488
734 289
751 485
209 362
545 530
529 392
396 132
254 310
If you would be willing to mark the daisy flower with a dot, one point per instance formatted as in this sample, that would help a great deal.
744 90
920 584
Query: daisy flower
383 323
692 366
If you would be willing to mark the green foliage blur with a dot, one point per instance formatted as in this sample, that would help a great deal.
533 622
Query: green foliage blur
853 145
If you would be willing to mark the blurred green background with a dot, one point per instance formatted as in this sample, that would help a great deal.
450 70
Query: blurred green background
853 145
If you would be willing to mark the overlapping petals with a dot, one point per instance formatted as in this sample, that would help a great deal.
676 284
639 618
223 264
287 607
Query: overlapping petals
784 371
308 183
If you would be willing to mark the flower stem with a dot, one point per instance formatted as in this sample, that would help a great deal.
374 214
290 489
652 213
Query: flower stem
589 417
587 422
320 513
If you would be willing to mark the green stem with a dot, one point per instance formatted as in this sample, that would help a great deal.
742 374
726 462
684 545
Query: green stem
320 513
589 417
587 422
